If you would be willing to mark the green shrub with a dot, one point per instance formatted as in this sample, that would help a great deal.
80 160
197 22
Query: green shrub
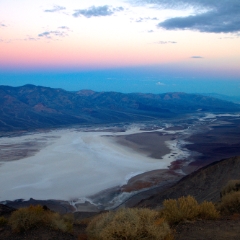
187 208
35 216
230 203
131 224
232 186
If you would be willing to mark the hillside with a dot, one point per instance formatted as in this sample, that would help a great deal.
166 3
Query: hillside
30 107
204 184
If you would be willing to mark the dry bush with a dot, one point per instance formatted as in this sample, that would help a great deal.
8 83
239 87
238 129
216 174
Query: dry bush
3 221
63 223
35 216
230 203
84 221
177 210
207 210
129 224
26 218
187 208
232 186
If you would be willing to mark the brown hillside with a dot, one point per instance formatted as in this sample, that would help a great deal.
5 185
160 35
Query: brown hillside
204 184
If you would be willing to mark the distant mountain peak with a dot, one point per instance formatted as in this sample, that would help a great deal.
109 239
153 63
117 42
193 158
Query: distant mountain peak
85 92
29 85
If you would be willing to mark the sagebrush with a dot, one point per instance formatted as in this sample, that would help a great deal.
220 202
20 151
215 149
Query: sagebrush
187 208
207 210
131 224
230 203
36 216
231 186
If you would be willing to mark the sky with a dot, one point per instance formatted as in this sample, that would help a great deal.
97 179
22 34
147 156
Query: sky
151 46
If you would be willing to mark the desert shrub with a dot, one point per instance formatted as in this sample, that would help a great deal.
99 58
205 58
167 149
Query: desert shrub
63 223
3 221
129 224
26 218
187 208
84 221
177 210
35 216
232 186
230 203
207 210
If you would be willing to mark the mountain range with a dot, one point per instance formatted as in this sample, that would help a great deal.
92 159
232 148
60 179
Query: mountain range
32 107
235 99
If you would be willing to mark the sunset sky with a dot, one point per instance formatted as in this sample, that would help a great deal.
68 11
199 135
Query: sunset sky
122 45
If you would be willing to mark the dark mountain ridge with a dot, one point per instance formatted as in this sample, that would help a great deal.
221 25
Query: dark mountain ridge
205 184
30 107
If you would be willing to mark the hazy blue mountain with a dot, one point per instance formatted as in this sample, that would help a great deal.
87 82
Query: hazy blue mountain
234 99
31 107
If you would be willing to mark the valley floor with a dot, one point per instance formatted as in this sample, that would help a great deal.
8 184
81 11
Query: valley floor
130 159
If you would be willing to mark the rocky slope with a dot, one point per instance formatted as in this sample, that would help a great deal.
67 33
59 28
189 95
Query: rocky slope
204 184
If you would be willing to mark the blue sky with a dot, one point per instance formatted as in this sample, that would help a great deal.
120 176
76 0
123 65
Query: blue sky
125 80
122 45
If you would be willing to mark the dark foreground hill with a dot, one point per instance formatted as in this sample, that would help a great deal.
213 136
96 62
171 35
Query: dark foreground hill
30 107
204 184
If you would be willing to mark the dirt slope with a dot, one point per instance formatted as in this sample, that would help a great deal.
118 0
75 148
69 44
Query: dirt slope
204 184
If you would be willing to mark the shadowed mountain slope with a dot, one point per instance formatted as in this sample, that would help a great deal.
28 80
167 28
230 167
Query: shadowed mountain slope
204 184
30 107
